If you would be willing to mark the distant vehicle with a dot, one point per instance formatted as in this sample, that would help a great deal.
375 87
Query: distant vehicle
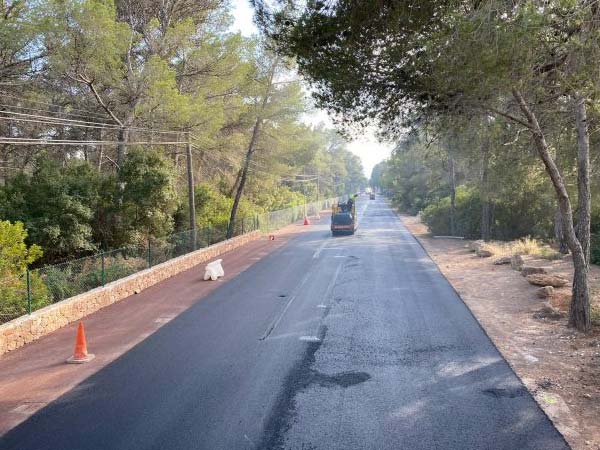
372 196
343 219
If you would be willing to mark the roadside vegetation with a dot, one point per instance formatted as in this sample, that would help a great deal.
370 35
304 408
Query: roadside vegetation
524 246
110 108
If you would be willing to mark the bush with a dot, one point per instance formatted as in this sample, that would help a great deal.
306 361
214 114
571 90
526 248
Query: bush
15 256
13 292
523 215
69 279
467 214
60 282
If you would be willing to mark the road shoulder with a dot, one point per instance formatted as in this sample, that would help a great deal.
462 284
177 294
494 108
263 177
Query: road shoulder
559 366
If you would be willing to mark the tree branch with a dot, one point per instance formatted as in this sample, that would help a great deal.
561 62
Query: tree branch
104 106
509 117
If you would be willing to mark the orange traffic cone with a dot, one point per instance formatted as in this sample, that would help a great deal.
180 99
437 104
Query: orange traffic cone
306 221
81 354
271 237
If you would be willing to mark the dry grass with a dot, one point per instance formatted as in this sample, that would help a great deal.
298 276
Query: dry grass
525 246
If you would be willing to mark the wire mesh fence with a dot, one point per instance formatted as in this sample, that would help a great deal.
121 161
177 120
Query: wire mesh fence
37 288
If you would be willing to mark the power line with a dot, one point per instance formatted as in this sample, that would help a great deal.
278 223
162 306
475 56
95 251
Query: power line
89 114
50 111
52 122
27 141
74 122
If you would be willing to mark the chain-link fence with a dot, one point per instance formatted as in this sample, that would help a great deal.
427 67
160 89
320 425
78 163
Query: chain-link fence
274 220
37 288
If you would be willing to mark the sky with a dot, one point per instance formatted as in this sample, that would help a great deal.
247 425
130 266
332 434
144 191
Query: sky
367 148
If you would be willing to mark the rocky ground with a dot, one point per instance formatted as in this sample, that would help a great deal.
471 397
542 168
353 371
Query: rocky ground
559 366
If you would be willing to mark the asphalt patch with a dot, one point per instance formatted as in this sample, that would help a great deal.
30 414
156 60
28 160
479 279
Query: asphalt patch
505 393
299 378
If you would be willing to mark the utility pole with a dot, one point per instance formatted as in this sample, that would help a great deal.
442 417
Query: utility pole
318 204
304 188
318 184
191 199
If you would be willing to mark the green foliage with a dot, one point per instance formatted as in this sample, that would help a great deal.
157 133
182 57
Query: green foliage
72 278
60 282
74 209
55 205
213 208
148 194
437 215
508 220
15 256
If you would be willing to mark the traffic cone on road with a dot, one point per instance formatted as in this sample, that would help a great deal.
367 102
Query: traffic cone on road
306 221
80 355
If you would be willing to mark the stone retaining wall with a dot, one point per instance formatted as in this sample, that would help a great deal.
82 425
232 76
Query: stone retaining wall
28 328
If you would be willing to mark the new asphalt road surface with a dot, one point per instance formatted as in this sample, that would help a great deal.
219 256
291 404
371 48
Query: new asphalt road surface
354 342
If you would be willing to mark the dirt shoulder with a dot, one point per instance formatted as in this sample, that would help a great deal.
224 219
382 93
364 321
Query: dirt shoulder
559 366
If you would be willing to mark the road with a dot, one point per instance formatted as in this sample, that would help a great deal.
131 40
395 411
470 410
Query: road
354 342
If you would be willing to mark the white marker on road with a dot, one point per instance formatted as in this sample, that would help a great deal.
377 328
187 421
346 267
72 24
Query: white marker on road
310 339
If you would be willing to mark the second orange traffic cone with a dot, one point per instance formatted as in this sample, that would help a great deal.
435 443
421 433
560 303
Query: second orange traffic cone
306 221
80 355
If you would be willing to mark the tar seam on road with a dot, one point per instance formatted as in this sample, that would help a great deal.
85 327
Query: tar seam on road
318 252
275 322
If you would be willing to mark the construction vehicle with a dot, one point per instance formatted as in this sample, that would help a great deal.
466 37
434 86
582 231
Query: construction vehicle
343 218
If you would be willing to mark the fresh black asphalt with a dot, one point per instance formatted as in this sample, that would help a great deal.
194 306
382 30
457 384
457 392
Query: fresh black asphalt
356 342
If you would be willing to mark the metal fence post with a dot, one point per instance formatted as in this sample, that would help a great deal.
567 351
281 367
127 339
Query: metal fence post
103 273
208 236
243 219
149 255
28 292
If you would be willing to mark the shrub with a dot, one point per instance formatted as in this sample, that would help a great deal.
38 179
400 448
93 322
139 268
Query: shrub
467 214
60 282
15 256
13 292
511 218
73 278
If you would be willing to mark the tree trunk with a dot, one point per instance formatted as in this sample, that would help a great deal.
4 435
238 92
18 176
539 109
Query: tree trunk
584 205
485 201
452 197
122 138
580 306
579 316
251 148
238 194
236 183
559 233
